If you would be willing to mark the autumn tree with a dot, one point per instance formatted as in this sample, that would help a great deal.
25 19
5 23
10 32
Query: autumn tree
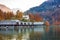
35 17
38 18
31 17
19 15
1 15
9 15
47 26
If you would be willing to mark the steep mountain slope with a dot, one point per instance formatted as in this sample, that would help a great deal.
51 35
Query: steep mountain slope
47 5
46 9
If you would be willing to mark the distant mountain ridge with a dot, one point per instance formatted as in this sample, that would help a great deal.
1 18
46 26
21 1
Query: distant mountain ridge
46 9
47 5
4 8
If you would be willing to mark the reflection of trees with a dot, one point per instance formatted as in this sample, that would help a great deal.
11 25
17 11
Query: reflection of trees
1 37
57 32
16 28
54 33
19 36
9 37
5 37
35 36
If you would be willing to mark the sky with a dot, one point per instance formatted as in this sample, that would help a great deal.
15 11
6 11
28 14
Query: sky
23 5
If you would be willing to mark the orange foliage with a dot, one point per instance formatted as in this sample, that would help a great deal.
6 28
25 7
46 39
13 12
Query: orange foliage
4 15
47 23
56 22
31 16
1 15
36 17
9 15
47 26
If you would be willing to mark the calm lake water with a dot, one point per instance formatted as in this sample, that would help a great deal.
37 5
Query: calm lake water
52 34
19 29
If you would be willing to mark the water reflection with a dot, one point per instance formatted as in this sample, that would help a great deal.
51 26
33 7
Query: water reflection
34 33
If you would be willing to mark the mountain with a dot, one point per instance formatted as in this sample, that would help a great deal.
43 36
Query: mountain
4 8
49 5
46 9
56 17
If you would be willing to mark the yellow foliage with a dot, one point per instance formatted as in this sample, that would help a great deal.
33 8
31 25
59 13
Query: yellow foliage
19 15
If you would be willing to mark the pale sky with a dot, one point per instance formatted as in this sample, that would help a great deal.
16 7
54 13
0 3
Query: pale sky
21 4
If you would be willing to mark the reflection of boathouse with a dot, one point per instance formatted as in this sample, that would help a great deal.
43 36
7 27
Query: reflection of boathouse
18 26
